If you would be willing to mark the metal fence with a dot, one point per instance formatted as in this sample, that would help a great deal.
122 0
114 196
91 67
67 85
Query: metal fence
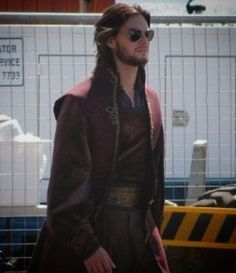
192 66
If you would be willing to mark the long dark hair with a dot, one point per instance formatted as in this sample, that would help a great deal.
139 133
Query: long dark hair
109 25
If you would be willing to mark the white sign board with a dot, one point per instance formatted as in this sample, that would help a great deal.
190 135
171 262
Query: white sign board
11 62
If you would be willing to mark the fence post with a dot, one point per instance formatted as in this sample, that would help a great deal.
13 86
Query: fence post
197 179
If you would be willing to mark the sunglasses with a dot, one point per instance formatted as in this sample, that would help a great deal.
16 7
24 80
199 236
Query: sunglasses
135 34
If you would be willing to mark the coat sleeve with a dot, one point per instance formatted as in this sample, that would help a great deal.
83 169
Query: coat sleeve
158 154
158 159
69 206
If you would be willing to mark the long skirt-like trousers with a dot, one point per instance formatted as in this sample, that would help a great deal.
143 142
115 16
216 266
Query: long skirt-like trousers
124 239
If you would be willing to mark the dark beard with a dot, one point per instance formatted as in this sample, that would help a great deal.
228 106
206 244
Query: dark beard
122 55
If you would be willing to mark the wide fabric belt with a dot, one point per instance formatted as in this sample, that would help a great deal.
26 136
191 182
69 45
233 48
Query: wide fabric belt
124 196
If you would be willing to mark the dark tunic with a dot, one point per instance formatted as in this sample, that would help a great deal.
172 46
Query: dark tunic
133 139
87 153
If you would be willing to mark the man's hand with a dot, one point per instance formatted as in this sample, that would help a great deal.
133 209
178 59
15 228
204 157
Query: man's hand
99 262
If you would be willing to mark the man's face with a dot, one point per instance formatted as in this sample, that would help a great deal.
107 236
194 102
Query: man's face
127 48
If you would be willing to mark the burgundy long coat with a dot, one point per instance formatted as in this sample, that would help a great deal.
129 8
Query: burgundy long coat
84 158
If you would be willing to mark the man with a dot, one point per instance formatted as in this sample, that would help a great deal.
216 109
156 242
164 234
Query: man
106 191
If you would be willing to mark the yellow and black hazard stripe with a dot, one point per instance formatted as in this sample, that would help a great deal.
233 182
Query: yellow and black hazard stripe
199 227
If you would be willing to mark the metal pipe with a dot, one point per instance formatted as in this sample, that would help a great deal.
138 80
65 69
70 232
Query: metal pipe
48 18
13 18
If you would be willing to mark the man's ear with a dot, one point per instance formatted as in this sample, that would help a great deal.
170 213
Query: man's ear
111 43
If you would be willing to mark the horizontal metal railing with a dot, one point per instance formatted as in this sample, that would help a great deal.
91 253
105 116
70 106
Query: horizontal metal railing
91 18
